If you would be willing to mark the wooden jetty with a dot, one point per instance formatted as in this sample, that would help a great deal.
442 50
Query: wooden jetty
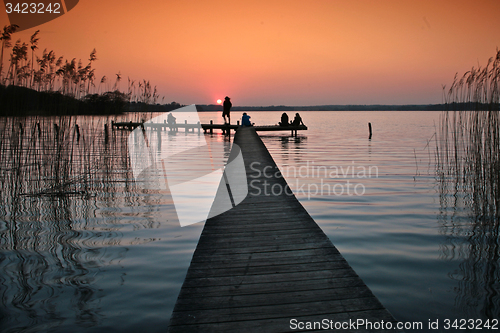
226 127
156 126
266 266
206 127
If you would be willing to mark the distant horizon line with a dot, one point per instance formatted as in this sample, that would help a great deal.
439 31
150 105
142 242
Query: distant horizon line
134 106
349 107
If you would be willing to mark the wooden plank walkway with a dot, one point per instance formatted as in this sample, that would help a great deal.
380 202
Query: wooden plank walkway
266 262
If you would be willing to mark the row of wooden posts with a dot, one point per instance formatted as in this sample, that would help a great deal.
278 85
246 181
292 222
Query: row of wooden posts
159 128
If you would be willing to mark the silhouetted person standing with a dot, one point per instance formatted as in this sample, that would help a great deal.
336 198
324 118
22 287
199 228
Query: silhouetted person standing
226 109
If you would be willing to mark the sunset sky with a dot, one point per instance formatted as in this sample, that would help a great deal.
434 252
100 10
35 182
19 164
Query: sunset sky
280 52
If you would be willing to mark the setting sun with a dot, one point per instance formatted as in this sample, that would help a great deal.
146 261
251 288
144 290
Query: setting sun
219 101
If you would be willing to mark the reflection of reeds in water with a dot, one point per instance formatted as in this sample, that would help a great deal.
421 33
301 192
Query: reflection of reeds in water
52 245
468 170
43 157
469 160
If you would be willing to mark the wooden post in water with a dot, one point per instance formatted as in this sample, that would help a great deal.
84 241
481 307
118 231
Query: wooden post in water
56 129
106 134
39 129
370 129
211 129
77 130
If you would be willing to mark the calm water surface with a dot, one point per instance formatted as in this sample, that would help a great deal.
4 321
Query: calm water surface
114 257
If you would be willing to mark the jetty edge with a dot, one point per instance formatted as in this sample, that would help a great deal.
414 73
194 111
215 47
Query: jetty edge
266 266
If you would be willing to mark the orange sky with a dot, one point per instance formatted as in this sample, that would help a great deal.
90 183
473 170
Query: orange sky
280 52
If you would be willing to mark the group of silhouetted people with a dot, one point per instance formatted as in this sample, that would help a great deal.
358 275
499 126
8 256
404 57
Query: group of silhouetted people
245 119
226 112
296 121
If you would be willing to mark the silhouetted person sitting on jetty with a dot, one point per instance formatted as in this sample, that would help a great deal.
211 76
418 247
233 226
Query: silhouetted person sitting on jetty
245 120
171 122
226 109
297 120
284 119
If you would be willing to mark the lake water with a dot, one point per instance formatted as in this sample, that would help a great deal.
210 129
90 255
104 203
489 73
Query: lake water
110 256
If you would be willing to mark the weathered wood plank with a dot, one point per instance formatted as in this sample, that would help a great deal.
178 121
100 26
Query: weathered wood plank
277 298
270 311
267 278
265 262
221 262
269 248
248 232
263 227
269 257
243 242
281 233
283 324
274 269
270 287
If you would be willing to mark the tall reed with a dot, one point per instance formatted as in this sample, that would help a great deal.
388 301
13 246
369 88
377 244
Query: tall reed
468 174
468 152
49 73
476 89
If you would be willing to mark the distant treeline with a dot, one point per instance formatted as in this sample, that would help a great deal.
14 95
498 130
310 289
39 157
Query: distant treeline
143 107
16 100
22 101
